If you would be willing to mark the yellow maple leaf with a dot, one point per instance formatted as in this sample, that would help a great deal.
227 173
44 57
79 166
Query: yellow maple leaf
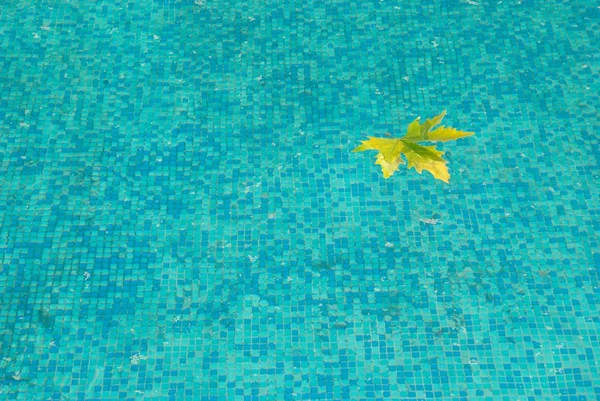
418 156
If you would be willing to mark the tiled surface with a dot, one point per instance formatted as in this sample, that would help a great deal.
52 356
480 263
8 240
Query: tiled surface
182 219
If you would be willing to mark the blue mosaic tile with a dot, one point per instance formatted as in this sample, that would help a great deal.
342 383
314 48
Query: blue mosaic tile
181 216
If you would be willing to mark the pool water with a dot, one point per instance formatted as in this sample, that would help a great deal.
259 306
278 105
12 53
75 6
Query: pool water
182 218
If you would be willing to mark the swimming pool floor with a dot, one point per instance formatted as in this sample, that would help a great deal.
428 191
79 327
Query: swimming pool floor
181 216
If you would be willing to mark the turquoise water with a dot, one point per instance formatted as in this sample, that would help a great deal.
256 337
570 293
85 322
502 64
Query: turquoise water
181 216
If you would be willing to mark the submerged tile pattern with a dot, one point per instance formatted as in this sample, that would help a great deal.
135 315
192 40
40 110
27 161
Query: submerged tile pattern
182 219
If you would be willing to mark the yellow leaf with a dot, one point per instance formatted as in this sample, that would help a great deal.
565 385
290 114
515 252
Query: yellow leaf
417 156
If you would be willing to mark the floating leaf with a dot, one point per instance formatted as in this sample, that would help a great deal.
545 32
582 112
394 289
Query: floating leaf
418 156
